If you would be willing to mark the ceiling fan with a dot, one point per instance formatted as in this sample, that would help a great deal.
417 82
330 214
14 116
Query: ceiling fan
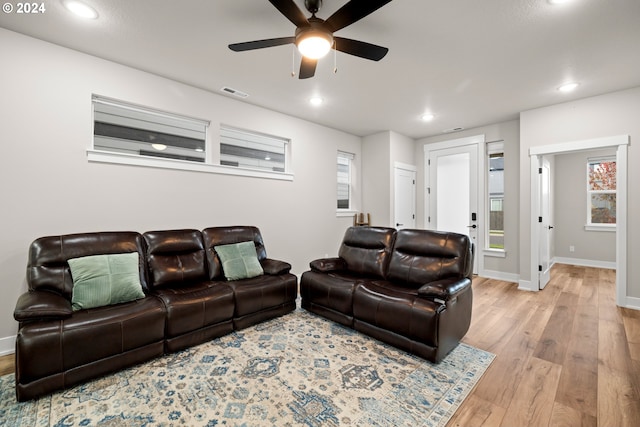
314 36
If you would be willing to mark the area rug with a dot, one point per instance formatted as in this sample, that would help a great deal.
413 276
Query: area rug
296 370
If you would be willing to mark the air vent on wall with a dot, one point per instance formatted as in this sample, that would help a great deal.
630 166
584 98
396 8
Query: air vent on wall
453 130
234 92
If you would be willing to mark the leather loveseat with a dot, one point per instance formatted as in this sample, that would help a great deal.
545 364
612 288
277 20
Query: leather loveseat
408 288
186 300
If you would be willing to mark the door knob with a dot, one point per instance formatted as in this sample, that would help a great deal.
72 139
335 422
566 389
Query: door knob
472 226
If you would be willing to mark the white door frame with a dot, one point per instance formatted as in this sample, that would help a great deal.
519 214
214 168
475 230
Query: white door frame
535 153
479 141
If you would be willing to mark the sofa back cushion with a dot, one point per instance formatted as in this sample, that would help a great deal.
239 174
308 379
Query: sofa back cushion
422 256
48 269
366 250
175 257
218 236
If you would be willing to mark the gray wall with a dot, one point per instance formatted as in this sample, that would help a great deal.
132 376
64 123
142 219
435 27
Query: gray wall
570 201
48 187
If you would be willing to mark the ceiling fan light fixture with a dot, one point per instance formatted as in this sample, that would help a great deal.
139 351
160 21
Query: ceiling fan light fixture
314 44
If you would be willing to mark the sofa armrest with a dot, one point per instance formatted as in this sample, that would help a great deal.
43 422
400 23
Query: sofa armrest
274 267
325 265
445 289
40 305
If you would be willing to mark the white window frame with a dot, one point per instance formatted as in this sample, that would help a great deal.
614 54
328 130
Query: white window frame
491 148
113 157
350 157
590 226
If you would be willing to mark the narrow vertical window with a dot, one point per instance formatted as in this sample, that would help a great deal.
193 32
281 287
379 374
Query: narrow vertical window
344 191
495 156
601 192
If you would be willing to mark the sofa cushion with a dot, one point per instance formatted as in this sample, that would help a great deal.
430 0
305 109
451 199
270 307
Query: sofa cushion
218 236
366 250
175 257
239 260
423 256
48 270
100 280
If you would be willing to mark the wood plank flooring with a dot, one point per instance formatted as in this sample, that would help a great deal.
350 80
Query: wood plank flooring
565 356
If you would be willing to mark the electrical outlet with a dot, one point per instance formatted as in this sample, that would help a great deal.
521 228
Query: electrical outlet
572 248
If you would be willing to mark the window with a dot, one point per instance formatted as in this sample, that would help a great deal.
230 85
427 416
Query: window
345 170
252 150
139 131
495 156
601 192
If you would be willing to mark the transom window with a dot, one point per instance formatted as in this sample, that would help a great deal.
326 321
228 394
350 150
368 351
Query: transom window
251 150
601 192
127 129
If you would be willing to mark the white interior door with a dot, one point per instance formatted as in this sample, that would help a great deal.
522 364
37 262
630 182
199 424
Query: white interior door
544 221
405 198
453 192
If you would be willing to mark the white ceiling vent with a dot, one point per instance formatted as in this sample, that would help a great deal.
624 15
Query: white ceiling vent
234 92
453 130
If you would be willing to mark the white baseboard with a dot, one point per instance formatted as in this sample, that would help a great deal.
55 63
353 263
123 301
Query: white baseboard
632 303
7 345
611 265
500 275
525 285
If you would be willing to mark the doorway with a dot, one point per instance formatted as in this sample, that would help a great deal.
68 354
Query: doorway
404 196
536 155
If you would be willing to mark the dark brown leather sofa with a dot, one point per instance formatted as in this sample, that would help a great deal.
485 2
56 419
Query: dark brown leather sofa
408 288
187 301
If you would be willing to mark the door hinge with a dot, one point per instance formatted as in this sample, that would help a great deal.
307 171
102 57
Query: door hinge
539 268
413 216
429 219
428 190
414 182
539 170
539 219
428 162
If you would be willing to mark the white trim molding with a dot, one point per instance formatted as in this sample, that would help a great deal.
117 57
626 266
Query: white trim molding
7 345
620 142
611 265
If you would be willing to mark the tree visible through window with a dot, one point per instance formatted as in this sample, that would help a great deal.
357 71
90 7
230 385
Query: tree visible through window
601 191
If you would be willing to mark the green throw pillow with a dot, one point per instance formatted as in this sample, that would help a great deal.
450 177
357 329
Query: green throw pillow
100 280
239 260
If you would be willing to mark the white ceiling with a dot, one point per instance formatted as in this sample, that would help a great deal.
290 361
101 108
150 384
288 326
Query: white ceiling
469 62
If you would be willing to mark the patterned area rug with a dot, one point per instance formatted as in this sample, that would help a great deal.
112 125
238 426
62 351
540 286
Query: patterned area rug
297 370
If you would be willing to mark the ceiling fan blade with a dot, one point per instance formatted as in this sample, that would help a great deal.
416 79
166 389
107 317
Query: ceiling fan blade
261 44
352 12
362 49
292 12
307 68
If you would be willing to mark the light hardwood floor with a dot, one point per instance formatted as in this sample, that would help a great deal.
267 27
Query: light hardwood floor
565 356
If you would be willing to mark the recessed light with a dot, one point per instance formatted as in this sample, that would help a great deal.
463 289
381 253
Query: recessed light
316 100
558 1
427 117
80 9
568 87
159 147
